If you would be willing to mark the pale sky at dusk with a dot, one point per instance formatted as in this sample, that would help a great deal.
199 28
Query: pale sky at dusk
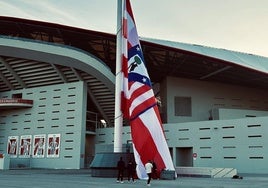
239 25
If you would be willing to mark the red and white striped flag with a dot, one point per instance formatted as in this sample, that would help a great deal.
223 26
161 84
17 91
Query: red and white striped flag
139 104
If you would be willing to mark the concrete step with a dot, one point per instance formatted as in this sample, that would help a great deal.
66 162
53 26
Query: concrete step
209 172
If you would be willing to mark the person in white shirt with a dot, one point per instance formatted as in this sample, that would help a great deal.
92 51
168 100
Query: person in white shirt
149 168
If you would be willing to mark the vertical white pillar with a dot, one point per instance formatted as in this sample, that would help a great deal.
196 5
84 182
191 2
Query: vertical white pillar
118 121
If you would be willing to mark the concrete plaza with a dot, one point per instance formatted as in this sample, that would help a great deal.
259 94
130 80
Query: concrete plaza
32 178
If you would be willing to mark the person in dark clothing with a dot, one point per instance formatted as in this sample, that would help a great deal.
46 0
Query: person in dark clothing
149 168
131 167
120 167
154 171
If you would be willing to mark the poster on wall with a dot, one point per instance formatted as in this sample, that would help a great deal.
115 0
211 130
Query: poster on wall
25 146
12 146
39 146
53 145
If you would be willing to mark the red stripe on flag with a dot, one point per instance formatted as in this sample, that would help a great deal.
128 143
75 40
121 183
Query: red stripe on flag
139 91
124 32
124 66
145 144
129 10
142 107
124 104
129 45
144 101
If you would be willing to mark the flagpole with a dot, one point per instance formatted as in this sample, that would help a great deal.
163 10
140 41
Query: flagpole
118 121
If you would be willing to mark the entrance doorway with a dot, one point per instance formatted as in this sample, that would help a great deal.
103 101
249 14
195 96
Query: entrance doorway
89 149
184 156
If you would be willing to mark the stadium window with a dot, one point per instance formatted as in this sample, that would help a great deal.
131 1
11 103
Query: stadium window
17 96
183 106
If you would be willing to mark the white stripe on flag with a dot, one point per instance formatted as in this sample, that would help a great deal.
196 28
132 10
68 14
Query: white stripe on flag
140 99
140 169
150 120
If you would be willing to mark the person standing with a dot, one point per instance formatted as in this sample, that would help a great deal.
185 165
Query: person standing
154 171
120 167
149 168
131 167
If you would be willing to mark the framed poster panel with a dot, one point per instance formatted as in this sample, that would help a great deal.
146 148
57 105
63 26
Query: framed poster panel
25 146
39 146
12 146
53 145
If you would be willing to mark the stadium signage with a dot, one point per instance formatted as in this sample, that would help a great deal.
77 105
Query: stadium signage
16 101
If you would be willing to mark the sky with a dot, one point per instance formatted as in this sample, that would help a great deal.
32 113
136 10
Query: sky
238 25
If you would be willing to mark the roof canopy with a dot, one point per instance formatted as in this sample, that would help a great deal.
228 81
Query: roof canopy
163 58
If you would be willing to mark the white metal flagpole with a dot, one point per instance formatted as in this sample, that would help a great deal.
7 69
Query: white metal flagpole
118 121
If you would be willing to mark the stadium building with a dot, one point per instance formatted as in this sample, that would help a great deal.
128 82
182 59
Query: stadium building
57 86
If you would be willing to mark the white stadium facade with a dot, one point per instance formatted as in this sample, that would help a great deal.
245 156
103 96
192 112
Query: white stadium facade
57 86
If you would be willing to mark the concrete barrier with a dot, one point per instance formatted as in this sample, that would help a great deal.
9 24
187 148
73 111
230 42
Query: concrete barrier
206 172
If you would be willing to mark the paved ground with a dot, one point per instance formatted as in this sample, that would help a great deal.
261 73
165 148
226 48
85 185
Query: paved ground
82 179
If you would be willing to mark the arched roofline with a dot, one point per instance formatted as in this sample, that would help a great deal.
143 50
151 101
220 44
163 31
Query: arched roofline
59 55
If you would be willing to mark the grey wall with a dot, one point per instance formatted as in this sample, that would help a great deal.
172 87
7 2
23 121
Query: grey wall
58 109
233 140
207 96
236 143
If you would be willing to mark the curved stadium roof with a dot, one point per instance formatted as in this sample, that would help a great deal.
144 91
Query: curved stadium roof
68 54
